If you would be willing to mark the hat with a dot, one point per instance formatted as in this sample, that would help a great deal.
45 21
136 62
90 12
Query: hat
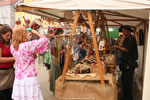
126 27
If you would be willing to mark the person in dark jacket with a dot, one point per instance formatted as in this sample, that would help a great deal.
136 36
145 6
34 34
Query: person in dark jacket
129 55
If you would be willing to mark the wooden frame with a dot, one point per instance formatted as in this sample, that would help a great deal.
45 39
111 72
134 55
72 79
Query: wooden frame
96 48
69 50
94 43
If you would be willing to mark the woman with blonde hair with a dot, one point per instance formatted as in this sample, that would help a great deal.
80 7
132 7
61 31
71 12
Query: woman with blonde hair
26 85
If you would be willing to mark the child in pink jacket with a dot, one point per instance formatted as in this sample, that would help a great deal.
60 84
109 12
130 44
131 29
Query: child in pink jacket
26 85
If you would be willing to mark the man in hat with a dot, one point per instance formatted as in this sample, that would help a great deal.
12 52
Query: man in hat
129 55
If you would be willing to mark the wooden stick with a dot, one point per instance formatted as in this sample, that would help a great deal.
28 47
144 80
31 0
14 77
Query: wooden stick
108 20
145 29
97 20
107 32
117 22
84 21
124 15
22 8
96 48
69 50
103 27
64 35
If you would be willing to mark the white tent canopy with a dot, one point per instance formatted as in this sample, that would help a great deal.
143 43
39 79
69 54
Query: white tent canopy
91 4
55 8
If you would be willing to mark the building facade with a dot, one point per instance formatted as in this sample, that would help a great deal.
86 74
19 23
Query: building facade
7 14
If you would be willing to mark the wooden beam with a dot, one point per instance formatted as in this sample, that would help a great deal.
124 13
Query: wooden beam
107 20
69 50
145 29
44 12
111 14
103 26
139 24
97 20
113 25
21 8
84 21
108 32
124 15
117 22
38 10
34 13
122 20
96 48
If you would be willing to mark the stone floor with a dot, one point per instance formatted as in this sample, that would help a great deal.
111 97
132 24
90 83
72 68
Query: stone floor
43 77
137 94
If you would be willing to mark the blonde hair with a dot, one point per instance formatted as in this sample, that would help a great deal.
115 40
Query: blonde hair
19 36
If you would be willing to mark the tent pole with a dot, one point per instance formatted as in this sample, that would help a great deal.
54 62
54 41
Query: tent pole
103 28
84 21
107 31
107 20
97 20
96 48
69 50
145 28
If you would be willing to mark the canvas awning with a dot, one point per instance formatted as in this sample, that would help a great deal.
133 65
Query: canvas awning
115 10
90 4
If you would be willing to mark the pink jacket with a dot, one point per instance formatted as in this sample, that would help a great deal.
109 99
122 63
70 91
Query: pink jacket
25 65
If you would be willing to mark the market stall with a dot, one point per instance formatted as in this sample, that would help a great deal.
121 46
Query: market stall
116 13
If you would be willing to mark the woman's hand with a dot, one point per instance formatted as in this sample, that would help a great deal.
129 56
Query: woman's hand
115 46
62 51
120 48
34 32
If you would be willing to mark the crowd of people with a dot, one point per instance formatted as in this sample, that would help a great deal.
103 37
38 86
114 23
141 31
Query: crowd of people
20 82
17 46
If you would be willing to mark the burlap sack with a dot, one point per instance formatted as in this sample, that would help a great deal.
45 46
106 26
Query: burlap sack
95 69
84 90
110 59
6 78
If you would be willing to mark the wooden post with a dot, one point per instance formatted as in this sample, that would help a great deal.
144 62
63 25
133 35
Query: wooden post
107 32
103 28
97 20
89 50
96 48
145 29
69 50
84 21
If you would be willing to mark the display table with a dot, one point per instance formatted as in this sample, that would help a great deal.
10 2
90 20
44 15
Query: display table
85 87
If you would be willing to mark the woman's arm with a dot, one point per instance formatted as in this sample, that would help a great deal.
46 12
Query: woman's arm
37 33
120 48
62 51
5 59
